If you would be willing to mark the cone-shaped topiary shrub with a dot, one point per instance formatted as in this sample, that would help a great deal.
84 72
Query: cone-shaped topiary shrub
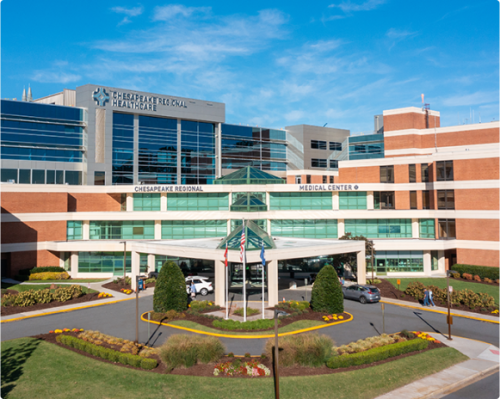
326 293
170 291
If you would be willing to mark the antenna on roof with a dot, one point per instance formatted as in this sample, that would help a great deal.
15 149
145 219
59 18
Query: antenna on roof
325 124
422 95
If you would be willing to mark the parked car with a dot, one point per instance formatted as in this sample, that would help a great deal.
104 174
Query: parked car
361 293
202 284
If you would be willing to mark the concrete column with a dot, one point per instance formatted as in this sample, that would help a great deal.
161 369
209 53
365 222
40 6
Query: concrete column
340 228
361 262
268 226
272 283
136 149
157 229
335 200
74 264
370 204
230 199
130 202
86 230
427 263
268 200
220 283
415 231
151 263
136 269
441 263
228 226
163 203
61 259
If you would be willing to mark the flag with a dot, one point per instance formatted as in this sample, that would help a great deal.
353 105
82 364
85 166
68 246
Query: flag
262 254
242 244
225 255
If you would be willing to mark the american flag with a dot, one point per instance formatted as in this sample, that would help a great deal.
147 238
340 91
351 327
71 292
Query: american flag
225 255
242 245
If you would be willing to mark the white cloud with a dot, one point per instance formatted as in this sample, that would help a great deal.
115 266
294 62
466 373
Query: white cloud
399 34
479 97
347 6
166 13
294 115
131 12
46 76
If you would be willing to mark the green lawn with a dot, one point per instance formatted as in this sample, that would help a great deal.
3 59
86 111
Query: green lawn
37 369
298 325
456 284
35 287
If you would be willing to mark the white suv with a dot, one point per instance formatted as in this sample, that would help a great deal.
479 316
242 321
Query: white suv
202 285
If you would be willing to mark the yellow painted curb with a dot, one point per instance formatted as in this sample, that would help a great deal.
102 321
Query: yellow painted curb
65 310
246 336
440 311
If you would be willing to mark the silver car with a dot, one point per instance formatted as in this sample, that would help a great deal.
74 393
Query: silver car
361 293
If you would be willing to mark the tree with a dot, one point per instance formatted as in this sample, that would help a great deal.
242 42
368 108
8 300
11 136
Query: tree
170 291
350 259
326 293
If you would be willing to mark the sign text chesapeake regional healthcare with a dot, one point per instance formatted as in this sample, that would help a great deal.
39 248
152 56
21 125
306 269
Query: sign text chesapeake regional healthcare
142 102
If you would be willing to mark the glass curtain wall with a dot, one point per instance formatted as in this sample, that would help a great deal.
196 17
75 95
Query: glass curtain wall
74 230
147 202
118 230
262 223
123 148
198 202
157 150
379 228
188 266
185 229
301 200
262 148
427 228
307 228
399 261
197 152
103 262
352 200
368 146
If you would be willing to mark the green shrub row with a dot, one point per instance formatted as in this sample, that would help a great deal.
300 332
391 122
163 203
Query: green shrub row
232 325
27 272
187 350
107 353
377 354
482 271
291 306
32 297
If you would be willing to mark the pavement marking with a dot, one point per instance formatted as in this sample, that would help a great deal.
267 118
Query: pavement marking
65 310
246 336
440 311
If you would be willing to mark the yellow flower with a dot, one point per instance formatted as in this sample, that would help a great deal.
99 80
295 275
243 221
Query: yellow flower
341 317
58 331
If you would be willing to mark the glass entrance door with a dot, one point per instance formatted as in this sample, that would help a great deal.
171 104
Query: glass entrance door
253 275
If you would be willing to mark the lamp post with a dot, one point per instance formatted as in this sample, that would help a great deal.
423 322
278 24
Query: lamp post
373 270
124 258
449 319
276 351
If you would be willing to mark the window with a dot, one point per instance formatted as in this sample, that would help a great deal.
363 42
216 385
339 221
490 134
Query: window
185 229
73 178
379 228
147 202
198 202
334 164
24 176
426 228
318 163
413 200
316 228
38 177
444 170
73 230
412 170
301 200
99 178
425 172
59 176
426 199
331 179
9 174
446 199
308 179
318 145
324 179
103 262
335 146
51 177
387 174
384 200
298 179
352 200
446 228
116 230
399 261
435 260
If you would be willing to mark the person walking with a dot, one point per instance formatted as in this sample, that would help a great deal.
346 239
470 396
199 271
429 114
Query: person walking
426 297
431 298
193 290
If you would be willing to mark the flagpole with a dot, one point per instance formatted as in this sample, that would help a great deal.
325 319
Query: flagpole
263 267
227 287
244 276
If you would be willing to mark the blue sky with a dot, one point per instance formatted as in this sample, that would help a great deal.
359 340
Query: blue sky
273 63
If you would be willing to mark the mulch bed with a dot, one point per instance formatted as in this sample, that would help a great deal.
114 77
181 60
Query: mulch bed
10 310
118 287
387 290
207 370
310 315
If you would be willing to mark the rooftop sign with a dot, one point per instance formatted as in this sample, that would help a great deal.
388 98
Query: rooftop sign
328 187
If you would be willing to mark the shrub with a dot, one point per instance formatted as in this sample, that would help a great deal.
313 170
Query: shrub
482 271
467 276
250 311
374 281
416 290
170 291
187 350
305 349
263 356
405 333
148 364
230 354
248 354
377 354
455 275
44 269
477 278
326 295
134 360
49 276
487 280
233 325
123 358
293 306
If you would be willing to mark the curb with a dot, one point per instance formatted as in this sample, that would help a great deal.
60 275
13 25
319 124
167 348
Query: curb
440 311
246 336
65 310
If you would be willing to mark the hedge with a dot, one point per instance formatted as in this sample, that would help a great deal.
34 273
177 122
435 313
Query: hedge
482 271
42 269
107 353
49 276
232 325
377 354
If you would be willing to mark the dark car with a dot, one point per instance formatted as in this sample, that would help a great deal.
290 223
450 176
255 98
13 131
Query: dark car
361 293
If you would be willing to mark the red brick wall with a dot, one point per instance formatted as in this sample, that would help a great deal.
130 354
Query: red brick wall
366 174
410 120
476 169
94 202
34 202
486 199
401 174
478 257
477 229
402 199
30 259
17 232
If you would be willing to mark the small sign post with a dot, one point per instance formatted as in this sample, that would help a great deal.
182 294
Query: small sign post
399 283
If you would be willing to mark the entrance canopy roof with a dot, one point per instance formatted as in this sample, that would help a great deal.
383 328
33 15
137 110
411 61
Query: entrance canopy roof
249 175
254 237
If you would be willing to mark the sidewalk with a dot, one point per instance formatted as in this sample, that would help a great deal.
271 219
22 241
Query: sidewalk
438 309
484 360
